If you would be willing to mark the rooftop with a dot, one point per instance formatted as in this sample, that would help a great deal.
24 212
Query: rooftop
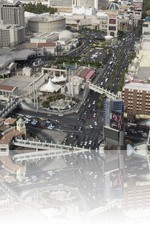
6 139
7 87
137 86
48 44
11 56
10 121
46 18
7 162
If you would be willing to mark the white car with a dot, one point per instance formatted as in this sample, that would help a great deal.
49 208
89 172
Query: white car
50 127
90 142
94 115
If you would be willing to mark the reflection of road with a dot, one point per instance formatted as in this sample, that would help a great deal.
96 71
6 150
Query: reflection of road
81 172
36 195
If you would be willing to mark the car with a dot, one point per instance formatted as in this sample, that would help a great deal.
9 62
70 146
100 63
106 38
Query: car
100 141
80 128
95 176
50 127
145 135
85 156
90 142
90 126
85 143
34 122
95 123
28 116
50 173
94 115
42 127
47 121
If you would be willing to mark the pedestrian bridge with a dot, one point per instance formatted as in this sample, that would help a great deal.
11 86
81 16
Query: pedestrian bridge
103 91
105 208
43 150
10 107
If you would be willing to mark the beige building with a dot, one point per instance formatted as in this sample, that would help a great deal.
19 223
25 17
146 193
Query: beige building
11 35
112 23
12 169
7 92
136 199
12 13
46 24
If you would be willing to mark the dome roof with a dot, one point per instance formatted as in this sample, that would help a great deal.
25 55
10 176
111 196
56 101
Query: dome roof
113 6
65 34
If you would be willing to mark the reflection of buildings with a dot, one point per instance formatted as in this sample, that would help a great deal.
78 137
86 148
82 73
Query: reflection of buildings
9 171
113 175
137 199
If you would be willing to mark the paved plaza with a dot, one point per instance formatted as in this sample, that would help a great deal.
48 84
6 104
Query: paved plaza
19 81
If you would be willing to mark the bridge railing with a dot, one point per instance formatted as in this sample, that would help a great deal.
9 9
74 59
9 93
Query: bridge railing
51 150
102 91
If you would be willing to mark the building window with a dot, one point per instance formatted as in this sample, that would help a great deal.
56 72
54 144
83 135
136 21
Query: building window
112 28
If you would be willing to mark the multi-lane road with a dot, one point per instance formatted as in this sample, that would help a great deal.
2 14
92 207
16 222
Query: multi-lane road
85 128
83 172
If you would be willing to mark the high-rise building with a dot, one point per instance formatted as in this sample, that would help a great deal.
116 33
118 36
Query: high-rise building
12 13
11 35
136 98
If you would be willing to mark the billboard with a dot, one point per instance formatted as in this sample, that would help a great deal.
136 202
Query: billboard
112 21
137 5
116 121
116 179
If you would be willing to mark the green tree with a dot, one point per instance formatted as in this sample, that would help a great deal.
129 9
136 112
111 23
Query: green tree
39 8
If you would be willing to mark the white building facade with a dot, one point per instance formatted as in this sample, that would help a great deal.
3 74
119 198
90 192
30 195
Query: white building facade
12 13
11 35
